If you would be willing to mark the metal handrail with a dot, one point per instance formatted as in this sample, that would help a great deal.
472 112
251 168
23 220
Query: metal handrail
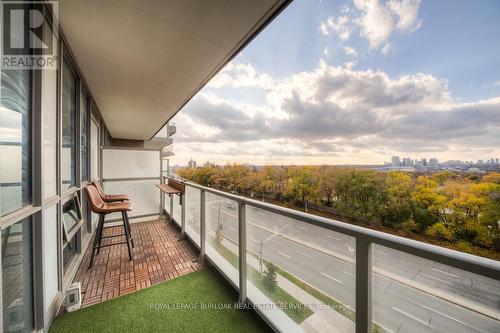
468 262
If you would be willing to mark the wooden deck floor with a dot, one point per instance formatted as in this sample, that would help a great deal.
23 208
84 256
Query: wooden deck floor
158 256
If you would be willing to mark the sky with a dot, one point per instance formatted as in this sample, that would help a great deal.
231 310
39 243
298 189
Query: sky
354 82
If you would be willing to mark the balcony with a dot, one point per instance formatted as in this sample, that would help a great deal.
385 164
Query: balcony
102 114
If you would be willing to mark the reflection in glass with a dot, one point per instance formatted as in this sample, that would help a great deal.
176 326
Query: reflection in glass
71 217
17 298
68 152
70 251
84 148
15 143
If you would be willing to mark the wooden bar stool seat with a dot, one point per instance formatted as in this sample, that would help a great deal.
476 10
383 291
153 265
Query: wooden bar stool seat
99 206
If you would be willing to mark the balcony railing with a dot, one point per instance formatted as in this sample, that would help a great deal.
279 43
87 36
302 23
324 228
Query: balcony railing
334 275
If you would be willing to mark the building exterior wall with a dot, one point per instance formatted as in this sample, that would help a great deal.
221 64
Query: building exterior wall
44 171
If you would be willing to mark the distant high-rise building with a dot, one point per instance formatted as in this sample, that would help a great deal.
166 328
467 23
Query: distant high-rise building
496 160
191 164
433 164
418 165
407 162
395 162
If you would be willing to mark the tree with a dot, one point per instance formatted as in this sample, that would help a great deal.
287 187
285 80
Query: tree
399 201
360 192
326 186
430 203
270 277
439 231
266 180
302 186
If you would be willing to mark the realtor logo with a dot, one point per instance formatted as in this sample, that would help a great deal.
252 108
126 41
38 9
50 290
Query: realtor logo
27 38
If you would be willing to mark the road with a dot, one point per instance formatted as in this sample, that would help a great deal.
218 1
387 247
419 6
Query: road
403 285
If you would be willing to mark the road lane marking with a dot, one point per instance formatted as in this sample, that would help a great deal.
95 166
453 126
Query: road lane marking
232 229
440 271
284 255
411 316
254 240
301 227
444 315
347 273
331 278
437 279
382 253
330 236
305 255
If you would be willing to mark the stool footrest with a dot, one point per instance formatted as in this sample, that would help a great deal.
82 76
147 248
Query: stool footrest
104 245
103 237
98 237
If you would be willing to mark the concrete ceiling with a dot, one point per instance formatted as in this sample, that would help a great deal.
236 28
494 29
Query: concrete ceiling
143 59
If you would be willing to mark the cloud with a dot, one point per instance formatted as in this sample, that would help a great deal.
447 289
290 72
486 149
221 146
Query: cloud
350 51
386 49
336 111
339 26
240 75
407 14
497 83
375 20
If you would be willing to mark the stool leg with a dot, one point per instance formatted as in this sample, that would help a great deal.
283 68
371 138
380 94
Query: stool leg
130 231
127 235
100 233
96 239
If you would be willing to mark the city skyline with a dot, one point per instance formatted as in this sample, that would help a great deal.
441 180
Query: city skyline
361 80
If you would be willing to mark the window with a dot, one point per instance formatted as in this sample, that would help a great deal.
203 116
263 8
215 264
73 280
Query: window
71 217
51 258
15 140
70 251
71 222
87 228
49 116
68 151
84 144
17 295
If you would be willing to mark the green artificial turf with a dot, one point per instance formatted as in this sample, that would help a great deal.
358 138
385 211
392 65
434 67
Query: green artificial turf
147 310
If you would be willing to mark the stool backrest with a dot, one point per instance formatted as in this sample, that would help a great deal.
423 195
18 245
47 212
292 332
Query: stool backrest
97 185
95 199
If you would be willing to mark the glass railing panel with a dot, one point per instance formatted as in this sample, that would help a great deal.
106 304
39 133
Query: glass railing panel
192 199
299 274
222 234
143 193
176 213
413 294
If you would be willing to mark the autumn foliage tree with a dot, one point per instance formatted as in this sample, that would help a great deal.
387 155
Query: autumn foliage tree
443 205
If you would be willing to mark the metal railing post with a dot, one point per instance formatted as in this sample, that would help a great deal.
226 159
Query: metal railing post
202 227
242 253
183 214
363 285
171 213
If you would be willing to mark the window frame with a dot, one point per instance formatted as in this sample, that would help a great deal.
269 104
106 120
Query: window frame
67 62
69 234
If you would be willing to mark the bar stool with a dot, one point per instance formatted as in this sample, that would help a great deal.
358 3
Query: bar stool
114 198
109 197
99 206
